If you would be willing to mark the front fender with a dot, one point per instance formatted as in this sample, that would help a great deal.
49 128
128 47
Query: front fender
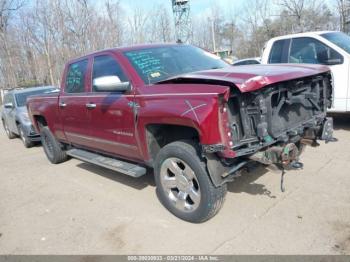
201 111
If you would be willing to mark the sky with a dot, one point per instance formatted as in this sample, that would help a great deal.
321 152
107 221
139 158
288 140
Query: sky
197 6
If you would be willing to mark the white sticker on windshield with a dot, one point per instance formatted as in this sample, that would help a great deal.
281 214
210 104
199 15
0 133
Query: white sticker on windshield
155 74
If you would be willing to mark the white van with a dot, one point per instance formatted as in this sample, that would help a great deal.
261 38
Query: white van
328 48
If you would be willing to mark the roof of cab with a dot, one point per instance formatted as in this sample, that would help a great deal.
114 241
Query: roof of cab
301 35
126 49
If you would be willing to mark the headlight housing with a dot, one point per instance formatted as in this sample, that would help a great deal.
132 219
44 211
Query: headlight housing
25 116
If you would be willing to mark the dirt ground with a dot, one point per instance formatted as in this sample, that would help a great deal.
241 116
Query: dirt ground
78 208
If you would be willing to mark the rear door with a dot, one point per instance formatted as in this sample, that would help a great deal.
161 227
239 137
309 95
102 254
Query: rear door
112 115
72 103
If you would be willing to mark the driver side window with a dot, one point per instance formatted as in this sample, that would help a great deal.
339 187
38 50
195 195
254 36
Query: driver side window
106 65
311 51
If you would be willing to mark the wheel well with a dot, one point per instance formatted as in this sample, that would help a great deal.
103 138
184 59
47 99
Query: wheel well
159 135
40 121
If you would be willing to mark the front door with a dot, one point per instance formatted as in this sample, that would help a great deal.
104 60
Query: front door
312 51
112 118
341 85
72 104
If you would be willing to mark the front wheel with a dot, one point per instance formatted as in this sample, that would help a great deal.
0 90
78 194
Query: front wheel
26 142
52 147
183 184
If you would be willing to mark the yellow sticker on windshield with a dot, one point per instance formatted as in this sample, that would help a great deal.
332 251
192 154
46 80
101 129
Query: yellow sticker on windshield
155 74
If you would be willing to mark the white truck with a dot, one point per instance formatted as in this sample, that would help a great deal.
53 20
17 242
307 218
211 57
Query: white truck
328 48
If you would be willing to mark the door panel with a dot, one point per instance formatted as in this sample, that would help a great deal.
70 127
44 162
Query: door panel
112 124
341 85
112 119
312 51
72 104
11 115
75 119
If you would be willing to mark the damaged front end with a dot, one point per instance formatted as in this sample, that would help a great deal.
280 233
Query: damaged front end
273 125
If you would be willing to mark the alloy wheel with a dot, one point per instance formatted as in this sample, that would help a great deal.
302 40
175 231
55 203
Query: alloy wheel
180 184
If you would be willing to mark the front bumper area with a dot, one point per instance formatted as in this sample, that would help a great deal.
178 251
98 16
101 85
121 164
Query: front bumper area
281 153
30 133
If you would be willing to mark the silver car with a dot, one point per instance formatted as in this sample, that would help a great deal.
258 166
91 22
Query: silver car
14 114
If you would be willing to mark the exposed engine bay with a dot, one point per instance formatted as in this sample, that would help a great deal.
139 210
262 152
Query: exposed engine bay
286 113
273 125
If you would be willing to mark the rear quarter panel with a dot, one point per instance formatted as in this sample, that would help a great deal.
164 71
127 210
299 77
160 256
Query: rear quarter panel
47 107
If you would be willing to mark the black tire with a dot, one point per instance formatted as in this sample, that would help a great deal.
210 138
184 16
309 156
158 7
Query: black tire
52 147
211 197
9 134
26 142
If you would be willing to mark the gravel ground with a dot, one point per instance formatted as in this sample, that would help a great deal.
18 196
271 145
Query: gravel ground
78 208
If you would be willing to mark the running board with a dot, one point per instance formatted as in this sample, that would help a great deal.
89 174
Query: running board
107 162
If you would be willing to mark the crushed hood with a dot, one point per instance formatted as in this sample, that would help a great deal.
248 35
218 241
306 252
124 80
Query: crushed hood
252 77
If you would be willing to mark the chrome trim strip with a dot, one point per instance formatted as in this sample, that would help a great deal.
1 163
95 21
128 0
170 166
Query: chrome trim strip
146 95
99 140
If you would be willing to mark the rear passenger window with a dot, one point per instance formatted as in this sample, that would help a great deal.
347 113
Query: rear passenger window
75 80
106 65
276 52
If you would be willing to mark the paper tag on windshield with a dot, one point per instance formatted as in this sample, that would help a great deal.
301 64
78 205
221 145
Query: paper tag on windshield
155 74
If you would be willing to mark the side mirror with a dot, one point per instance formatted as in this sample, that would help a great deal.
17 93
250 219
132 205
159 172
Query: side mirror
8 105
334 61
110 84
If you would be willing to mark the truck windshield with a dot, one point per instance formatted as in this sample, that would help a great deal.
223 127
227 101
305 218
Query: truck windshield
340 39
21 98
157 64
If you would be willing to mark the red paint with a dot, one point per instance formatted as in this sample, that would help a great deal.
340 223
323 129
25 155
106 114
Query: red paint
112 128
253 77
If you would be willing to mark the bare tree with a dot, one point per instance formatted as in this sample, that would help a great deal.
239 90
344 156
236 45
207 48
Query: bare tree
137 25
7 9
343 7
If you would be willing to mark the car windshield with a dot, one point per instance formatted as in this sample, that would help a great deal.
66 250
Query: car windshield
340 39
157 64
21 98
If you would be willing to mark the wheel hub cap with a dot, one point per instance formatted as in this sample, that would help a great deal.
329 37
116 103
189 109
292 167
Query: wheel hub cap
180 184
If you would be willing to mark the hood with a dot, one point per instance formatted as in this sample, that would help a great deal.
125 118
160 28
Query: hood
251 77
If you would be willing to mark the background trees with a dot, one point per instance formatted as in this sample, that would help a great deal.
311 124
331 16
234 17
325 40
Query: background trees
38 36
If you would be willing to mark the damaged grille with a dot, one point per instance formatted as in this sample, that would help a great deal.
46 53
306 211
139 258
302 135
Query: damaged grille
278 112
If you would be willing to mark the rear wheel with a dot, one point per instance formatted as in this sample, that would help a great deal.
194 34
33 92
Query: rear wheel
9 134
183 184
51 146
26 142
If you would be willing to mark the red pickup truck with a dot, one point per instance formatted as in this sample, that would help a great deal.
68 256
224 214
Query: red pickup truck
194 119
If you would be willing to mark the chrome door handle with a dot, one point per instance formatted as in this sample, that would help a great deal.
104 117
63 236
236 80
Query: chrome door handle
63 104
90 106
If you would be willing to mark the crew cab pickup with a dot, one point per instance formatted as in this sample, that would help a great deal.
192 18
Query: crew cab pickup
193 118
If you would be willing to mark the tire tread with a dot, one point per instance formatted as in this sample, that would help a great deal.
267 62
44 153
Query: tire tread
59 155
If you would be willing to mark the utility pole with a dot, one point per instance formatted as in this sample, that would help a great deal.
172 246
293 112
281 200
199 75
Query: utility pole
182 19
